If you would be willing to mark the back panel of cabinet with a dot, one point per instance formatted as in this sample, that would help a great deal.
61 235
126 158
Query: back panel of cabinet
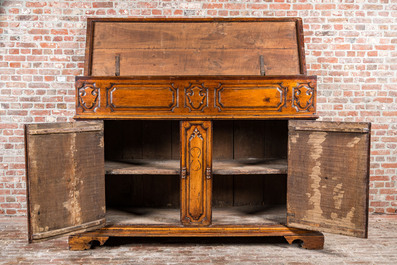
140 142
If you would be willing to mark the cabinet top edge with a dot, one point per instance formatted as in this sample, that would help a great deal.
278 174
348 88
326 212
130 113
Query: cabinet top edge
201 77
306 125
88 117
197 20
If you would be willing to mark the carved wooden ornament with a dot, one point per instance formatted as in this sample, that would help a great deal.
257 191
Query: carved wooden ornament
196 97
88 96
196 182
303 97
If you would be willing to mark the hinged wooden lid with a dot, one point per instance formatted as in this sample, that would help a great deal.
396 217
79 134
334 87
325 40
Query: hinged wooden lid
223 46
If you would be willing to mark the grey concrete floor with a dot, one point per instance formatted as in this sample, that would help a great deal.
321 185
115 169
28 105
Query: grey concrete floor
379 248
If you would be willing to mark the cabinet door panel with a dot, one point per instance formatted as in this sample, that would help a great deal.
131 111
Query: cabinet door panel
196 172
328 176
65 178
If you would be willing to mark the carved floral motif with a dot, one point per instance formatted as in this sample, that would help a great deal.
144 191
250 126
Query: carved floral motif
88 96
303 97
196 97
195 152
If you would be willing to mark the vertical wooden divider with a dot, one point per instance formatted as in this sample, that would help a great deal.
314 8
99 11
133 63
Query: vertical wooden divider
196 172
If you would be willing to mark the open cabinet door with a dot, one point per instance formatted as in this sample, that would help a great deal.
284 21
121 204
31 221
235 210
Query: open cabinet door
328 176
65 178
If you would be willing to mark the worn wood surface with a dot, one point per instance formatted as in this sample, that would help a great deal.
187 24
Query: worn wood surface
220 167
328 176
194 46
196 172
65 178
223 149
83 243
250 180
196 97
249 145
231 215
143 145
310 239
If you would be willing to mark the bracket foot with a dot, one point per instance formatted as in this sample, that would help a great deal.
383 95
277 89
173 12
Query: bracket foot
315 241
78 242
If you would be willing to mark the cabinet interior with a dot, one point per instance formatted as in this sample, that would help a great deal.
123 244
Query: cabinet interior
142 171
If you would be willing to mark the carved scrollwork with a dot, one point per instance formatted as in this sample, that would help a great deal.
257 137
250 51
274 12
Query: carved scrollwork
196 97
196 173
88 96
303 96
195 152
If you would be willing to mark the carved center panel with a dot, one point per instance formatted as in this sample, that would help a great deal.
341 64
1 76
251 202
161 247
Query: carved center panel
303 97
142 97
196 145
268 97
88 96
196 97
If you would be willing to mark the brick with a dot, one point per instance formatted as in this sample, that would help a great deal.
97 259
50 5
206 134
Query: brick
212 5
102 5
234 6
36 4
387 191
27 17
280 6
302 6
59 31
15 58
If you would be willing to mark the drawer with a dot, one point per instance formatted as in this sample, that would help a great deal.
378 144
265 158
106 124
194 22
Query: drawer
187 97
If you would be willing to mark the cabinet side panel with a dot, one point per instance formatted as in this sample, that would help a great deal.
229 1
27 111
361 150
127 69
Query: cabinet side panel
328 178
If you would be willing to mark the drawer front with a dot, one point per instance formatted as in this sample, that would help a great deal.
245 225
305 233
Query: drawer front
195 98
141 97
251 97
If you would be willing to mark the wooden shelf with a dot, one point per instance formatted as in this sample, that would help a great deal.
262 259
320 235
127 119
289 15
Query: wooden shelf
143 167
236 215
250 167
221 167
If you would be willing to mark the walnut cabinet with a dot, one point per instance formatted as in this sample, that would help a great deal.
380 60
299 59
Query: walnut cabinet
196 127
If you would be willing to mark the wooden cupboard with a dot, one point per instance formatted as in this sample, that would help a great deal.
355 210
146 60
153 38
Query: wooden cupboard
202 127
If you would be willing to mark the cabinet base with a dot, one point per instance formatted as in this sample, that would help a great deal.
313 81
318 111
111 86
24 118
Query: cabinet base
309 239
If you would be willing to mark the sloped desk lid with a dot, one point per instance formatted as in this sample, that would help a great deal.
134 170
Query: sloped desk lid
223 46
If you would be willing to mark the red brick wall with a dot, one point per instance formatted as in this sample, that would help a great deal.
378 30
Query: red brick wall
350 46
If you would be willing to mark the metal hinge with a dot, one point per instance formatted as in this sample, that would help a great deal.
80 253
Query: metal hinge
183 172
117 65
208 173
262 65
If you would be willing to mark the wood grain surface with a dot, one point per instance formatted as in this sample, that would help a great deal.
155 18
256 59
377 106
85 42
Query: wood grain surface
328 176
65 178
194 47
196 172
196 97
